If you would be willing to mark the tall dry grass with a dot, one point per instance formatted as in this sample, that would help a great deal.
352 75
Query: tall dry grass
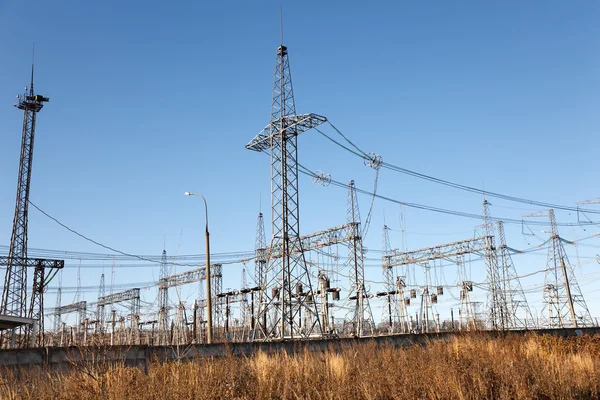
469 367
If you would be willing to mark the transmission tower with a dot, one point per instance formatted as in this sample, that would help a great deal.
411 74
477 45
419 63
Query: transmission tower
519 314
361 313
244 298
564 305
100 310
163 295
57 320
260 253
387 315
280 139
496 300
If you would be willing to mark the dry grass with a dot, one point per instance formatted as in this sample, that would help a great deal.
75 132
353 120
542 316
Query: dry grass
470 367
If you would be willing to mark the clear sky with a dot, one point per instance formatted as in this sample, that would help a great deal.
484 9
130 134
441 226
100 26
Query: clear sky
152 99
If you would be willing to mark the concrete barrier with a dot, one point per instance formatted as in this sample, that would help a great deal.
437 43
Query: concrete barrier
64 358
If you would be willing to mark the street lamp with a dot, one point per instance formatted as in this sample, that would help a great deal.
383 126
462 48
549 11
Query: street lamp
208 276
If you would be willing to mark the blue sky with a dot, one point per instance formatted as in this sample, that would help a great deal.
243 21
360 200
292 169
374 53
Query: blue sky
151 99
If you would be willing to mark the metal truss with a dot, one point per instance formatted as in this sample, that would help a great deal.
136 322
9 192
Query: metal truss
132 295
496 300
195 275
362 319
14 296
291 273
449 250
79 307
519 314
564 305
163 294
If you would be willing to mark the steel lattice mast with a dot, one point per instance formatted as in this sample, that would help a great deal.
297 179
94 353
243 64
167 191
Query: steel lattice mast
280 139
361 313
387 314
564 305
163 295
100 317
14 296
496 296
57 321
519 314
260 253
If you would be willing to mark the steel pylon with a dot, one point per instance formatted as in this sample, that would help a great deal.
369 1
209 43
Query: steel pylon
291 289
564 305
496 300
361 317
519 314
163 295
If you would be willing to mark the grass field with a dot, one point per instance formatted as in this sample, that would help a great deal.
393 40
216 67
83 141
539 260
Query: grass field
469 367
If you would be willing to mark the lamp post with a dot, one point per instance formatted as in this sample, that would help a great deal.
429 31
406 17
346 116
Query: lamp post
208 276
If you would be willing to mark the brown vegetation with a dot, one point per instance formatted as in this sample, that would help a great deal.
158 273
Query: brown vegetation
469 367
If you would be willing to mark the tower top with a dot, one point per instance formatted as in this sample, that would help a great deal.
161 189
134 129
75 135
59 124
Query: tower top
31 101
281 24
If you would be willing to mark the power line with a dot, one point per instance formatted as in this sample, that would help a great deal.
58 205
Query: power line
129 255
360 153
308 172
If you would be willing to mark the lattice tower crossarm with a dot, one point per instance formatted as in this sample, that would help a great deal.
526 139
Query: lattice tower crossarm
79 307
280 139
448 250
564 305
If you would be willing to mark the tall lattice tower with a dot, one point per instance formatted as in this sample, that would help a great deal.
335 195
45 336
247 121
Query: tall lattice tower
260 253
57 317
519 314
496 301
163 294
387 314
100 317
14 296
362 320
291 286
564 305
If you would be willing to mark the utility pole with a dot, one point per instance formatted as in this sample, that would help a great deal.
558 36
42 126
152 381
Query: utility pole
209 308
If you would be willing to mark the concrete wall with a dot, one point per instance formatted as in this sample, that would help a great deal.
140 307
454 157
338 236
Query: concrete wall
63 358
